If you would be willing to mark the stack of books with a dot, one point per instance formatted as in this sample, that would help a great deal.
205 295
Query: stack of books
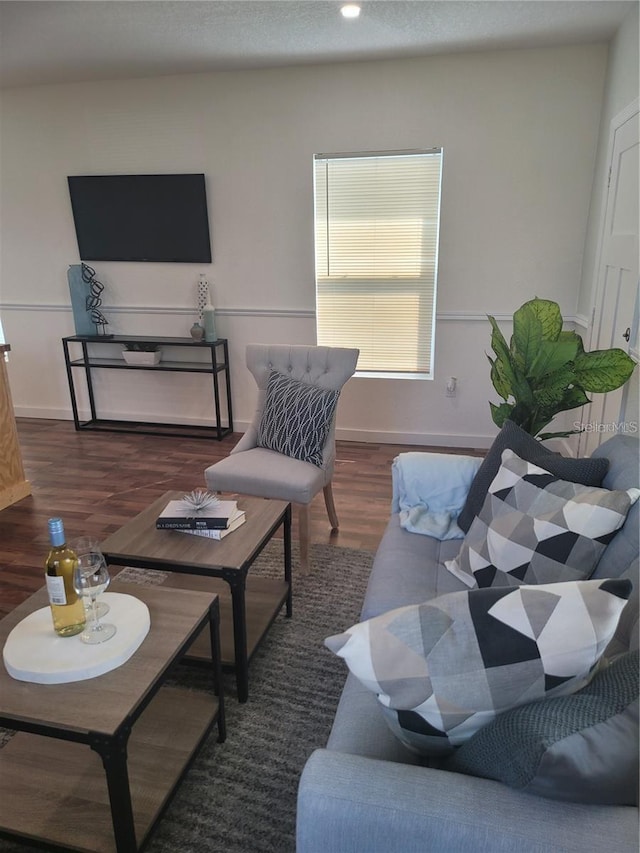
213 522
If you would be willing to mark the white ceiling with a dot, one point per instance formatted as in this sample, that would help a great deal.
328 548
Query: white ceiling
60 41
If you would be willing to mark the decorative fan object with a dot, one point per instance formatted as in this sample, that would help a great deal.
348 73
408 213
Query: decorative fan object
199 500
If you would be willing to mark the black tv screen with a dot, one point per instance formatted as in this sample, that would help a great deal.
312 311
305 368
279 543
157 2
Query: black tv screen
141 217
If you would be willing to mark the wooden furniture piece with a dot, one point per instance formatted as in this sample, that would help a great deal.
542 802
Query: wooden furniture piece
217 365
13 485
141 731
248 605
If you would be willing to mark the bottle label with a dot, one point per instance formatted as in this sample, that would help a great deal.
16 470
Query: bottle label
55 588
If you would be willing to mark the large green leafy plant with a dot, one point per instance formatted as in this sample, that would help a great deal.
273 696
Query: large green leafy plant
545 370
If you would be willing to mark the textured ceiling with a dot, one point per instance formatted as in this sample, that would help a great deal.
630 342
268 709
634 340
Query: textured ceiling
58 42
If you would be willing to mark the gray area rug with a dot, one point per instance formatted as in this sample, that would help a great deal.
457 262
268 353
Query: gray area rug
240 796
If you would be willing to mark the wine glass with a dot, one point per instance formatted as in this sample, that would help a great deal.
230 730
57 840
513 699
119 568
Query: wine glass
84 548
90 579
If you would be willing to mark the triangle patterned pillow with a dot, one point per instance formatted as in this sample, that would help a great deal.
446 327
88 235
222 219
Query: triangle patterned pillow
536 528
445 668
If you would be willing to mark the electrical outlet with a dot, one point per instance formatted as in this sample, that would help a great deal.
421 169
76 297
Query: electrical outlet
452 384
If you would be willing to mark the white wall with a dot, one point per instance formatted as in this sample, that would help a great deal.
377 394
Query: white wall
519 131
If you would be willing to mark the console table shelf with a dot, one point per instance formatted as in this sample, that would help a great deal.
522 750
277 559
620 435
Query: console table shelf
217 367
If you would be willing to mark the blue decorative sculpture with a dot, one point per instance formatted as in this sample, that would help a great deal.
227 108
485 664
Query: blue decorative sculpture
86 300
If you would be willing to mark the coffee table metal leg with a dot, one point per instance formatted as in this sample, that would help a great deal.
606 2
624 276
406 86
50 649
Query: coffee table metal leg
113 752
237 586
216 652
287 558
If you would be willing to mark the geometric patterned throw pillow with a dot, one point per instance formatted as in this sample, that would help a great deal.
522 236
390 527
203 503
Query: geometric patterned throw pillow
296 418
536 528
588 471
443 669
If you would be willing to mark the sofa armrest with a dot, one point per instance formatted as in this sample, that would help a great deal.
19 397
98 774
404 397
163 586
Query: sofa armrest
349 804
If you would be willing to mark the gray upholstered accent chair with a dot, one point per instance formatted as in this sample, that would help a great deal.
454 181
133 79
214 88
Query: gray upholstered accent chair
257 471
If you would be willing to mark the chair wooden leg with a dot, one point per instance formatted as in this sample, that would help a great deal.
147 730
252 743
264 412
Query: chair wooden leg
303 537
331 507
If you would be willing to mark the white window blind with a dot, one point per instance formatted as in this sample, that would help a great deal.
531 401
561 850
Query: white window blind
376 241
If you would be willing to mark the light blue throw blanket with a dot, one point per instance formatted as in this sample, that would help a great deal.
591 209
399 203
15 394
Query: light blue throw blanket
429 491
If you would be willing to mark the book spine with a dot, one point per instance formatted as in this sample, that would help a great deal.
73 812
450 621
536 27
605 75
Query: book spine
192 523
216 535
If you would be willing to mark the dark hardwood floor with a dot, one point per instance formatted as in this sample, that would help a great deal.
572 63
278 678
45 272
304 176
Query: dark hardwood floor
97 481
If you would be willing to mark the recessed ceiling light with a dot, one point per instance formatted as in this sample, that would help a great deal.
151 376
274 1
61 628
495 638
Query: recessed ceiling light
350 10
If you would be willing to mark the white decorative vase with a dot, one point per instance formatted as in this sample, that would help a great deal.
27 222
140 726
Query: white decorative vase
133 357
203 294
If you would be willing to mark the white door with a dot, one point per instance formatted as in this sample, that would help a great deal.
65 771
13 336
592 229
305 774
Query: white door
615 318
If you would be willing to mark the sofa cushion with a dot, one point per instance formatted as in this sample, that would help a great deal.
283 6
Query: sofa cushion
408 568
535 528
296 418
582 748
588 472
360 729
444 668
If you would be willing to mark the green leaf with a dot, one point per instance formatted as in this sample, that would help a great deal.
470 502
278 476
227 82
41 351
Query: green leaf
498 342
523 414
549 395
500 381
527 336
562 378
601 371
544 436
573 398
522 390
548 313
508 371
572 336
500 413
552 356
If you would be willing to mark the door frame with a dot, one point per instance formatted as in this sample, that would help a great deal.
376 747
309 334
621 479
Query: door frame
616 123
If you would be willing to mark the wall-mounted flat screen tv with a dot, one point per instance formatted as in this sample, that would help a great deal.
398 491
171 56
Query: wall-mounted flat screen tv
141 218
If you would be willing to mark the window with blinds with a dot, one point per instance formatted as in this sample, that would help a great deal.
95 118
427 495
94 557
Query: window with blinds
376 241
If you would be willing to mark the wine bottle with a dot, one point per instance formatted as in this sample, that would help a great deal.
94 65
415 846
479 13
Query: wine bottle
67 609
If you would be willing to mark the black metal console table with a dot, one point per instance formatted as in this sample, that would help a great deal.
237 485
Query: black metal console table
217 365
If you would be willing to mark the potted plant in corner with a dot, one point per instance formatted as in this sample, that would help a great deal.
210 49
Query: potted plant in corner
148 354
545 370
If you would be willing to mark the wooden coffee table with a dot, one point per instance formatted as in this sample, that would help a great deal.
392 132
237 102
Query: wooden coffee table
248 606
142 734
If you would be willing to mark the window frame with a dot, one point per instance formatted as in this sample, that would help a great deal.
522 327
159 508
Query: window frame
424 286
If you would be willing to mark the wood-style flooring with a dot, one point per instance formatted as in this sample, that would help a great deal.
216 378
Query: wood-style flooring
97 481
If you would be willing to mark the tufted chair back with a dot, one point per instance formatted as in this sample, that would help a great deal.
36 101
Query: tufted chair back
324 367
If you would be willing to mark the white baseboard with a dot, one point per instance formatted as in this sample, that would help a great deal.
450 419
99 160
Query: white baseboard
66 415
417 439
478 442
365 436
44 414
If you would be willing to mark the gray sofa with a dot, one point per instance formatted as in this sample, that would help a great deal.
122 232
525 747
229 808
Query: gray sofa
366 793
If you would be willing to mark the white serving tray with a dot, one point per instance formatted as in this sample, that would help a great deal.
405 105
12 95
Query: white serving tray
34 652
